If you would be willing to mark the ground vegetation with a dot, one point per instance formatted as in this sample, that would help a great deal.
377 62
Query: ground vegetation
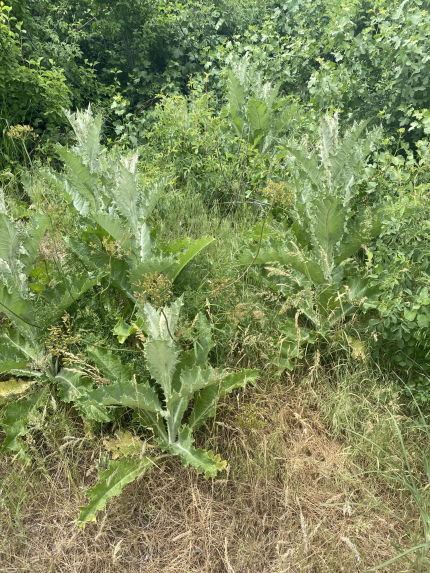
214 286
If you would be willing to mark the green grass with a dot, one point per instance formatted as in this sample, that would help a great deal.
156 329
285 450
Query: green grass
361 407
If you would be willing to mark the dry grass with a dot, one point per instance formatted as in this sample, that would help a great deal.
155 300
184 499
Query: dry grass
286 504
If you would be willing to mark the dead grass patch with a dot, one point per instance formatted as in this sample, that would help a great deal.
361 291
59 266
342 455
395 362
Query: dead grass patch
285 504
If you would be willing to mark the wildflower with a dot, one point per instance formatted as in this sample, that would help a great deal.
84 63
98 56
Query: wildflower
22 132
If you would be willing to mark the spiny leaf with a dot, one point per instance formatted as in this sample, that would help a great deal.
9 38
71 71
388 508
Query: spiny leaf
151 321
19 310
111 483
329 135
126 196
331 306
115 269
176 410
82 183
87 130
151 194
359 290
14 346
111 366
206 399
15 419
151 265
92 142
156 422
11 366
162 324
162 358
308 164
358 235
237 380
196 378
63 295
296 259
192 380
202 461
72 387
327 228
235 93
114 226
204 407
339 160
35 230
258 115
240 126
9 239
143 242
189 250
204 343
9 245
128 394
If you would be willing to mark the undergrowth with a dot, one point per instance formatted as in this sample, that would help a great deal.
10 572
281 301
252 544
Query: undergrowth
242 295
293 497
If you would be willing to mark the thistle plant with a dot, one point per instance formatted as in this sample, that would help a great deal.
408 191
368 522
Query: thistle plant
113 206
114 242
254 108
28 315
312 258
178 396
